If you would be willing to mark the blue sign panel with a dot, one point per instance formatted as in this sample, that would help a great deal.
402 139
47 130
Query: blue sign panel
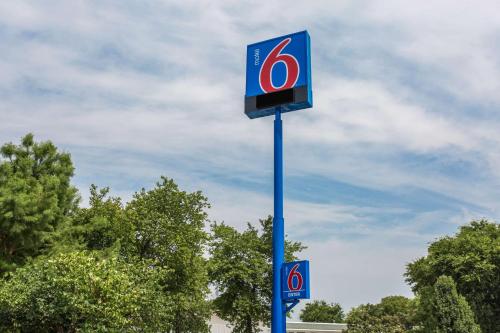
278 75
295 282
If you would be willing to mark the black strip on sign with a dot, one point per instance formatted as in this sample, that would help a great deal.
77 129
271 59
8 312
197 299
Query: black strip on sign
274 99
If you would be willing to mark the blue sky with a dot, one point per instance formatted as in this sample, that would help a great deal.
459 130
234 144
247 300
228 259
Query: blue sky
401 147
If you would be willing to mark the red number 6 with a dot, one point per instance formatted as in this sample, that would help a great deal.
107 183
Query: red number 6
294 273
275 56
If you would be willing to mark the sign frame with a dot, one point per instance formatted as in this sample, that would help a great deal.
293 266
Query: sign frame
295 281
286 62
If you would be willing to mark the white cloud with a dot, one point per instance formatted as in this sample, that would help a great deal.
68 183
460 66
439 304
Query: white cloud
360 111
456 39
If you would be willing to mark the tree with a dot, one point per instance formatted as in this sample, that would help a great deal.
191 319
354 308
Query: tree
240 268
35 198
444 310
101 226
322 312
78 291
394 314
167 226
472 259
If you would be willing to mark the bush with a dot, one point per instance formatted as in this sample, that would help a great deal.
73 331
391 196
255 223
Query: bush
322 312
444 310
394 314
472 259
80 292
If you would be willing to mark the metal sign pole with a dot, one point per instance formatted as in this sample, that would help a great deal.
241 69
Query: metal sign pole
263 98
278 322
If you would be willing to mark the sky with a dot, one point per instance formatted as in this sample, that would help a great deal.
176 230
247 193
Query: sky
400 148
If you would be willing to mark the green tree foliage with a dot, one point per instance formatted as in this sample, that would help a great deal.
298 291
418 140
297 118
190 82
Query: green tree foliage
241 271
322 312
99 227
472 259
445 311
394 314
167 226
35 198
80 292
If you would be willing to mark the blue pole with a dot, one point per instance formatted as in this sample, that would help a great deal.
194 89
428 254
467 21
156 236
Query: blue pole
278 323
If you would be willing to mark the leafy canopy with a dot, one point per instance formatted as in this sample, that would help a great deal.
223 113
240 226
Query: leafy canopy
394 314
158 236
101 226
80 292
322 312
472 259
443 310
35 198
241 272
167 226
